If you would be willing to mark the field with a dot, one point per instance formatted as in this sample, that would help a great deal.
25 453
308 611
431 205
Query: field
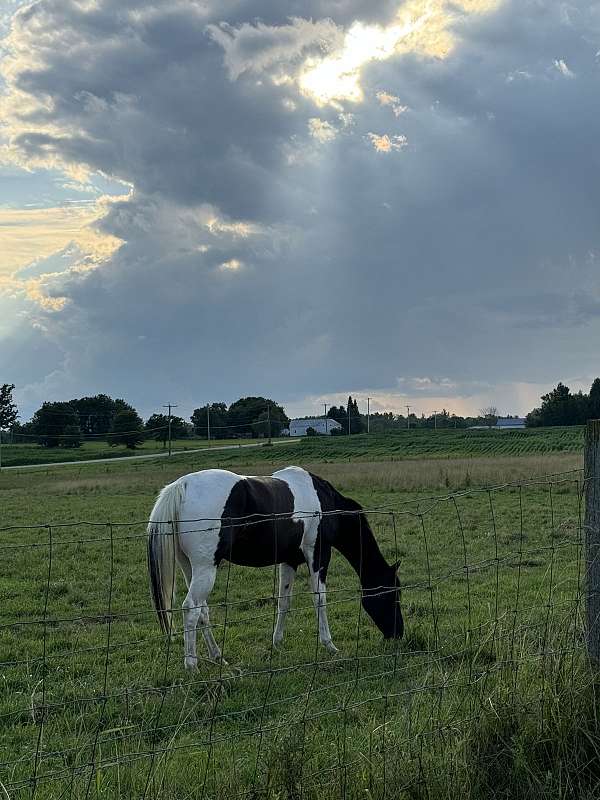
414 443
488 695
24 454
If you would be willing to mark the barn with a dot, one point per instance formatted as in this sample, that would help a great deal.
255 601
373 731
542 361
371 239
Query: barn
510 423
322 425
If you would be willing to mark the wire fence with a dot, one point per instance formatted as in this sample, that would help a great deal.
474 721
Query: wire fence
95 702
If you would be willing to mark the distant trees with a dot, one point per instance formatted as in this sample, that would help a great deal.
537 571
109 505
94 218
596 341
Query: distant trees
560 407
126 429
8 409
54 423
66 424
96 414
247 417
341 414
216 416
157 426
489 415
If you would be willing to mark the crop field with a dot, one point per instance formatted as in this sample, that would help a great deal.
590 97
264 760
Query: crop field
489 694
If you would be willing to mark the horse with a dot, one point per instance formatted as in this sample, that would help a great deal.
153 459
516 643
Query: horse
290 518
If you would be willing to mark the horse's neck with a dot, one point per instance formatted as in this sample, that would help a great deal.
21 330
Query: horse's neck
355 541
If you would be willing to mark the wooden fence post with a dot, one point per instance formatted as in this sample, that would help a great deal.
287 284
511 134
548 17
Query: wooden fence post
592 536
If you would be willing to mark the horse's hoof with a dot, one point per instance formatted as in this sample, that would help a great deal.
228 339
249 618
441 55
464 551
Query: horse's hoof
331 648
190 663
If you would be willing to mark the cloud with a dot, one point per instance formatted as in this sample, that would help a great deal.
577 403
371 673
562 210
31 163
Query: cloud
383 143
321 130
391 100
28 235
469 257
259 47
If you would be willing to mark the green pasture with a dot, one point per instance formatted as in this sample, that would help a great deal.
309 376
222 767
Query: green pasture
413 443
27 454
488 695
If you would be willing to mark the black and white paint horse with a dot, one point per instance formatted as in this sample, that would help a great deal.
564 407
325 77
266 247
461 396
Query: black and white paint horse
206 517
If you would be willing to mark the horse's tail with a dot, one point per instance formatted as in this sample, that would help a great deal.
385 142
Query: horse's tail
162 547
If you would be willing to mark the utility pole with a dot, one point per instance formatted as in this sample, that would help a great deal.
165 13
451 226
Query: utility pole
326 427
269 421
368 415
435 420
0 449
208 423
408 417
349 412
169 406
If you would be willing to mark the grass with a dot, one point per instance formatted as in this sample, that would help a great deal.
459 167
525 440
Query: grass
26 454
488 695
413 443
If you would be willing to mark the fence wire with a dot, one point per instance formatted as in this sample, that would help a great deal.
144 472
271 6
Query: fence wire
94 700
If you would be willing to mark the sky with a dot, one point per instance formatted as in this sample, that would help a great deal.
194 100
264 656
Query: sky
203 200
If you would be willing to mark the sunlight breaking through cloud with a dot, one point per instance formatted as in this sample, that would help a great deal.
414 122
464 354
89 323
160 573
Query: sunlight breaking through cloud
421 26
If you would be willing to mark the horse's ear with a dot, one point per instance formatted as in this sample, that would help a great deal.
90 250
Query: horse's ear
396 565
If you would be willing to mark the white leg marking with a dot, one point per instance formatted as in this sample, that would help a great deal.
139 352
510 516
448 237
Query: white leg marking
320 601
286 584
195 609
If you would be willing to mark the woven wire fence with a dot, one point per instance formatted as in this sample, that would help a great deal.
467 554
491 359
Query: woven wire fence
94 700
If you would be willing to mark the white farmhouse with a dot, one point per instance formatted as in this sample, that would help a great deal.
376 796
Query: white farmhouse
298 427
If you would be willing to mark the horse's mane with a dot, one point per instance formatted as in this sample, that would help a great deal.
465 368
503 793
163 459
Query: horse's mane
336 501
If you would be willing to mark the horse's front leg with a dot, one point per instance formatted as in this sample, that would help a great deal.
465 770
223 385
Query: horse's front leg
286 584
317 584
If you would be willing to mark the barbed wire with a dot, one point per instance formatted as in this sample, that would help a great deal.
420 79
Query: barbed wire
95 701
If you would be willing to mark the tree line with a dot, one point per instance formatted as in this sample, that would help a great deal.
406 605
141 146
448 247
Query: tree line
68 423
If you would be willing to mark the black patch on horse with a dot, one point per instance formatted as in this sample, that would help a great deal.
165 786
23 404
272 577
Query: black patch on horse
256 526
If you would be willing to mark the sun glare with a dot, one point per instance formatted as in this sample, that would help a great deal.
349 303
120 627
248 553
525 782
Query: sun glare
338 77
421 26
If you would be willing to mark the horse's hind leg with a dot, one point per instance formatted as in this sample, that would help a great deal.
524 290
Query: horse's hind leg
195 609
286 584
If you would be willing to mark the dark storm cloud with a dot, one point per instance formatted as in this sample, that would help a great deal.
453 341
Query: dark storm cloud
468 252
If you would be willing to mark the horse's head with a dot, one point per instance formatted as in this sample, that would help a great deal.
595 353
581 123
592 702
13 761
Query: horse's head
382 603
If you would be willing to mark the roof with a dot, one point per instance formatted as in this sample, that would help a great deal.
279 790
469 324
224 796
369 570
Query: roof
310 423
510 422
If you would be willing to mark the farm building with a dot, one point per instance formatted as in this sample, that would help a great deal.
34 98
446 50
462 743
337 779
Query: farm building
298 427
510 423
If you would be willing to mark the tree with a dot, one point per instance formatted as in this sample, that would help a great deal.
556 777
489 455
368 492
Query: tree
96 414
271 422
71 436
158 427
489 414
310 431
243 416
594 400
8 409
339 415
356 423
559 407
217 417
51 421
126 429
